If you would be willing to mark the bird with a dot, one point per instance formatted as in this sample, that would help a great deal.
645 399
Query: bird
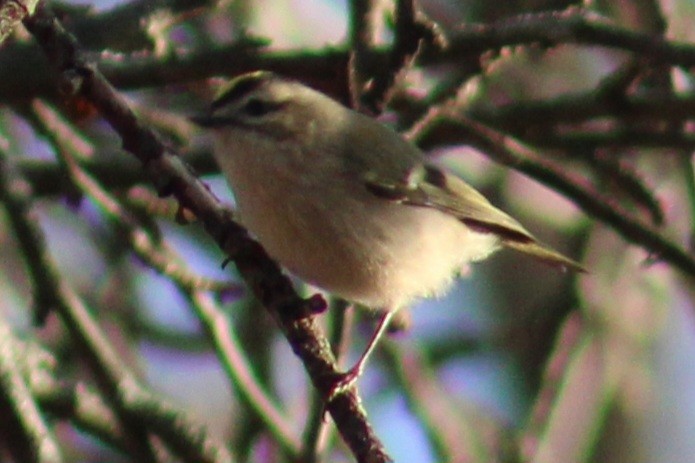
346 204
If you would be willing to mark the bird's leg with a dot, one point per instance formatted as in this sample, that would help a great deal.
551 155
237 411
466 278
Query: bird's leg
348 378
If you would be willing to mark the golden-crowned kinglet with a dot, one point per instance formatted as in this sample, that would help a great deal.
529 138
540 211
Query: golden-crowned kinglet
345 203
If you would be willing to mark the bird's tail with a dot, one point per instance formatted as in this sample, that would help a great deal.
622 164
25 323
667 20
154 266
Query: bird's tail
543 253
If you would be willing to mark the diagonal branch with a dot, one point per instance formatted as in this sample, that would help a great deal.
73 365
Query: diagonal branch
171 176
33 441
161 258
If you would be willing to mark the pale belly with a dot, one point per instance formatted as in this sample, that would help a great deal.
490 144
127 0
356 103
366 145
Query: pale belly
367 250
327 229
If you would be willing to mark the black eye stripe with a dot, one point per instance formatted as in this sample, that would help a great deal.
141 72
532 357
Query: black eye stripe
242 87
256 107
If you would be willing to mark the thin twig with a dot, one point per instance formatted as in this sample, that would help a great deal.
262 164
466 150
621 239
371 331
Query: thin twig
626 181
362 33
37 443
372 85
456 434
79 402
566 344
689 180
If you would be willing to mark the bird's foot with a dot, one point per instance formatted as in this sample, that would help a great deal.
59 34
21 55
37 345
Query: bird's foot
344 382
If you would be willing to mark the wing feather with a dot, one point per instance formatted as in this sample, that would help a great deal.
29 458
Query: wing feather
428 186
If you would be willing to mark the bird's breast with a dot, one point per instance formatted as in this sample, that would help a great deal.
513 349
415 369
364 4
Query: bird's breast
360 247
331 232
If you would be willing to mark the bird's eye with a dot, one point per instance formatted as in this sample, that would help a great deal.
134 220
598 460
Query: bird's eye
257 108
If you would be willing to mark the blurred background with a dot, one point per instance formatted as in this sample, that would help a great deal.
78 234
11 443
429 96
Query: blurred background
519 362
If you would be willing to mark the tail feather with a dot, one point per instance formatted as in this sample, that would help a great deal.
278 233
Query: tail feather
544 254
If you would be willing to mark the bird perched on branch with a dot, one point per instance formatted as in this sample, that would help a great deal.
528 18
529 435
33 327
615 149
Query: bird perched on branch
346 204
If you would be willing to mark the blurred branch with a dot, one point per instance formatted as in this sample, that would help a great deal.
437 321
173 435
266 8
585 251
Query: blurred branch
689 180
122 28
112 170
579 108
79 402
32 441
63 137
567 343
362 25
457 434
23 74
171 176
371 84
236 366
510 152
50 292
618 138
610 94
573 25
636 121
158 256
362 36
615 172
84 407
139 410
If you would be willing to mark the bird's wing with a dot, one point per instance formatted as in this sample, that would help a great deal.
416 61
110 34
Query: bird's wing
428 186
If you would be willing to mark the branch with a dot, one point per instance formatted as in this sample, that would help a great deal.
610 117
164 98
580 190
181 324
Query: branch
613 171
618 139
140 411
566 344
37 443
123 27
362 36
316 433
372 82
456 434
570 26
158 256
24 75
111 169
412 31
79 403
580 108
172 176
510 152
